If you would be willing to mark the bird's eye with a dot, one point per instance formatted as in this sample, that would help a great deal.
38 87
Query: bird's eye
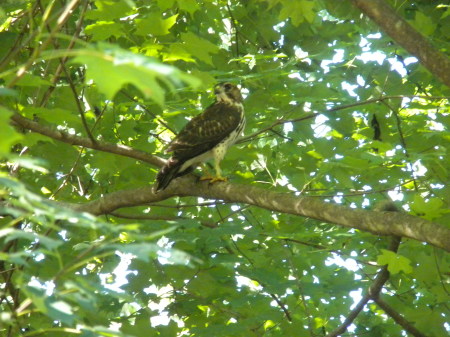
228 86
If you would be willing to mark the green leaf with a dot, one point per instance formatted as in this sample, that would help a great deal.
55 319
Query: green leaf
110 10
307 10
32 237
61 311
199 47
111 67
155 25
102 30
424 23
221 268
34 164
176 52
190 6
7 39
298 11
49 305
396 263
9 135
428 209
165 4
30 80
147 251
55 116
8 92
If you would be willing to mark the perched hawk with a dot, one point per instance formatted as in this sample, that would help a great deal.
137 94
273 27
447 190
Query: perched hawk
206 136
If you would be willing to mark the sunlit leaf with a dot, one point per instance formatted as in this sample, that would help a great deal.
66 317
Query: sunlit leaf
9 134
111 68
154 24
396 263
199 47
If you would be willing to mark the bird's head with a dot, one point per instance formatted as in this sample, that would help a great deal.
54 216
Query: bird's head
228 92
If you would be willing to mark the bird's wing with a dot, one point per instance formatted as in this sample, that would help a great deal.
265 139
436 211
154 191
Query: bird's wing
206 130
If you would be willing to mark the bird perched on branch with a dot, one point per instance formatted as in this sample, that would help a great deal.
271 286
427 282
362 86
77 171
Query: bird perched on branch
206 136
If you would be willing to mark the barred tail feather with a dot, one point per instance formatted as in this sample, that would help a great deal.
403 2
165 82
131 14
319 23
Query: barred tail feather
167 173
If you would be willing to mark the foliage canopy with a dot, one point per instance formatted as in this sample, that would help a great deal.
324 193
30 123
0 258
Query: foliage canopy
337 112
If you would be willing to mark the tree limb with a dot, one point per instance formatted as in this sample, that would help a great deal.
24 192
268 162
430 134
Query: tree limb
65 137
380 223
146 217
396 224
407 37
283 121
372 293
399 319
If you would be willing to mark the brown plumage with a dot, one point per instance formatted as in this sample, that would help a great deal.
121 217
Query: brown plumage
206 136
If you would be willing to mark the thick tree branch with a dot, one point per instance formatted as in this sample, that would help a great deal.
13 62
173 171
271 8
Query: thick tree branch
146 217
395 224
381 223
407 37
64 137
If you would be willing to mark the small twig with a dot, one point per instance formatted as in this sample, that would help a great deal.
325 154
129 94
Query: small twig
63 60
298 278
80 109
236 33
441 279
147 110
281 135
69 79
353 194
399 319
282 306
65 137
222 219
60 22
372 293
402 141
276 299
68 175
17 47
337 108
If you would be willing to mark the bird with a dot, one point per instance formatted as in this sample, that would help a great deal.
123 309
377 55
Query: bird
207 135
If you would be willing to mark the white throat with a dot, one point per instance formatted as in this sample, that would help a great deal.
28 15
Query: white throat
223 97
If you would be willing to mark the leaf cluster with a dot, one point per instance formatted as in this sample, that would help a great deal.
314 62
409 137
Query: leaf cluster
335 110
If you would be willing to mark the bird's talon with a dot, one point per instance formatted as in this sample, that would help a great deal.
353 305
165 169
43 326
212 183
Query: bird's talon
206 136
213 180
216 179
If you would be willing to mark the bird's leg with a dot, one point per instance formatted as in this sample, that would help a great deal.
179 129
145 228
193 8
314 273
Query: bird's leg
206 174
217 177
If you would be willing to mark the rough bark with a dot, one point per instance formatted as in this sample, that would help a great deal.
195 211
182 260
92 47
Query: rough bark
380 223
388 223
86 142
407 37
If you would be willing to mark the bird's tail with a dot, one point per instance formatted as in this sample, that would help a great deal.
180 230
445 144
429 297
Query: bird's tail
167 173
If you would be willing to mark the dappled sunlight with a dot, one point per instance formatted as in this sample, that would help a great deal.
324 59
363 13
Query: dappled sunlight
327 215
